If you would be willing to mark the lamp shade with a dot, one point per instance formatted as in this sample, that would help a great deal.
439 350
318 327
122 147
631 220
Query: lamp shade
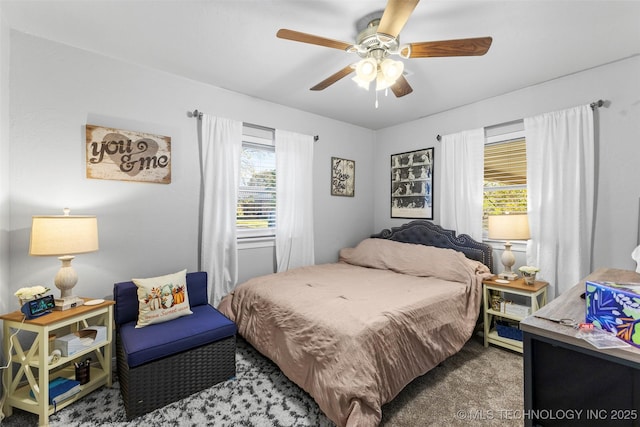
63 235
509 227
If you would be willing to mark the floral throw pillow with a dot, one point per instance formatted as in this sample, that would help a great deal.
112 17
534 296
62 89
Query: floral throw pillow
162 298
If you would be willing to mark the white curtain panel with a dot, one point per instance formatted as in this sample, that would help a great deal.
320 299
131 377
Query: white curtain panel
561 188
294 200
462 181
220 150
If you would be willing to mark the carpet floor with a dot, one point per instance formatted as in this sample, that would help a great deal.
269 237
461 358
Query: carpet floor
477 386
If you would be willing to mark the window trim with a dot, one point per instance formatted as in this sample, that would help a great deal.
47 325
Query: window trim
256 242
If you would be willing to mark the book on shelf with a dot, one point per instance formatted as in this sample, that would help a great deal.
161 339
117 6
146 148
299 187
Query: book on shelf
61 389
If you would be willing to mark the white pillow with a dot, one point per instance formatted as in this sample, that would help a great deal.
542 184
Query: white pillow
162 298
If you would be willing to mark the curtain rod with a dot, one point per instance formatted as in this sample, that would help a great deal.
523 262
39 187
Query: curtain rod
198 114
596 104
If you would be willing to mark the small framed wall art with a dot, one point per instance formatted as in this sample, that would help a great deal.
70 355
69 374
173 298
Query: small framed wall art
412 184
343 177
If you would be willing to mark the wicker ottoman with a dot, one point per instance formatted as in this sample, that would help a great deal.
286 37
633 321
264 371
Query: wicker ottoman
156 384
165 362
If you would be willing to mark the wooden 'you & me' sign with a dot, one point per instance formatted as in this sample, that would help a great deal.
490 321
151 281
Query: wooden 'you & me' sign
127 156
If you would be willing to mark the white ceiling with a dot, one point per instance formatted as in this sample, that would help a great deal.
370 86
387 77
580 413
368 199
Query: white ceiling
232 44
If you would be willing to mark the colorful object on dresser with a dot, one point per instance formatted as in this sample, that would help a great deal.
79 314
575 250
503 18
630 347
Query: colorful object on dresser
615 307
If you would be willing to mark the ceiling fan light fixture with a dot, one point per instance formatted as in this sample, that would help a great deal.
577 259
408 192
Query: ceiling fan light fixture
391 69
367 69
363 84
382 82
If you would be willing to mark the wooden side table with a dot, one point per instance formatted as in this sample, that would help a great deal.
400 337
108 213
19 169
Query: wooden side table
536 293
37 356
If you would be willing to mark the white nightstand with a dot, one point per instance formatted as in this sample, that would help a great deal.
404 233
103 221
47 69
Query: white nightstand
536 294
35 358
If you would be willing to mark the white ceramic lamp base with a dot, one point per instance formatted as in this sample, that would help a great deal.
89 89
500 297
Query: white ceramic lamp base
508 259
65 280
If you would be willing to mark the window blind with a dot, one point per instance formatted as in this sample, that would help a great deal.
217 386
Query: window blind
256 210
505 178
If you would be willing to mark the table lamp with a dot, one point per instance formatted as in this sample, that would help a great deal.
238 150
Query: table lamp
508 227
64 236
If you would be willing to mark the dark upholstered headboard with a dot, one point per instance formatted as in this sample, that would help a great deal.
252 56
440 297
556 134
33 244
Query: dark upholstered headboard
427 233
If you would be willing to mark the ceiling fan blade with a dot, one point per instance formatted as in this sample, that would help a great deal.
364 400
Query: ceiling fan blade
460 47
334 78
395 16
401 87
297 36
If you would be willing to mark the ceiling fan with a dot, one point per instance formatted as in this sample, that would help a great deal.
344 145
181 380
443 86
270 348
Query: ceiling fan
379 40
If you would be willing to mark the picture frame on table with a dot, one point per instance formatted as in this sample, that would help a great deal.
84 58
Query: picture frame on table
343 177
412 184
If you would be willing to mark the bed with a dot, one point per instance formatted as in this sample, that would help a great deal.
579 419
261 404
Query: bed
354 333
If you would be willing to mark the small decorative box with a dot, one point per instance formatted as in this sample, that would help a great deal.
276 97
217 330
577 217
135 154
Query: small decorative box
615 307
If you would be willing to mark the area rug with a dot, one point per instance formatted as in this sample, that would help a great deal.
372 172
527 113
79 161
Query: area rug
476 386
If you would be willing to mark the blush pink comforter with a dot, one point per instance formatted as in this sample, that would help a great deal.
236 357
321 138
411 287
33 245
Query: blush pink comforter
353 334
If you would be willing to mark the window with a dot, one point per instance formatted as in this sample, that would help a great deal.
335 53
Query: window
505 175
256 210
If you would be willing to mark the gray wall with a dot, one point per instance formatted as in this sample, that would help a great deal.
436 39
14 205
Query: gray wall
145 229
618 151
4 166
